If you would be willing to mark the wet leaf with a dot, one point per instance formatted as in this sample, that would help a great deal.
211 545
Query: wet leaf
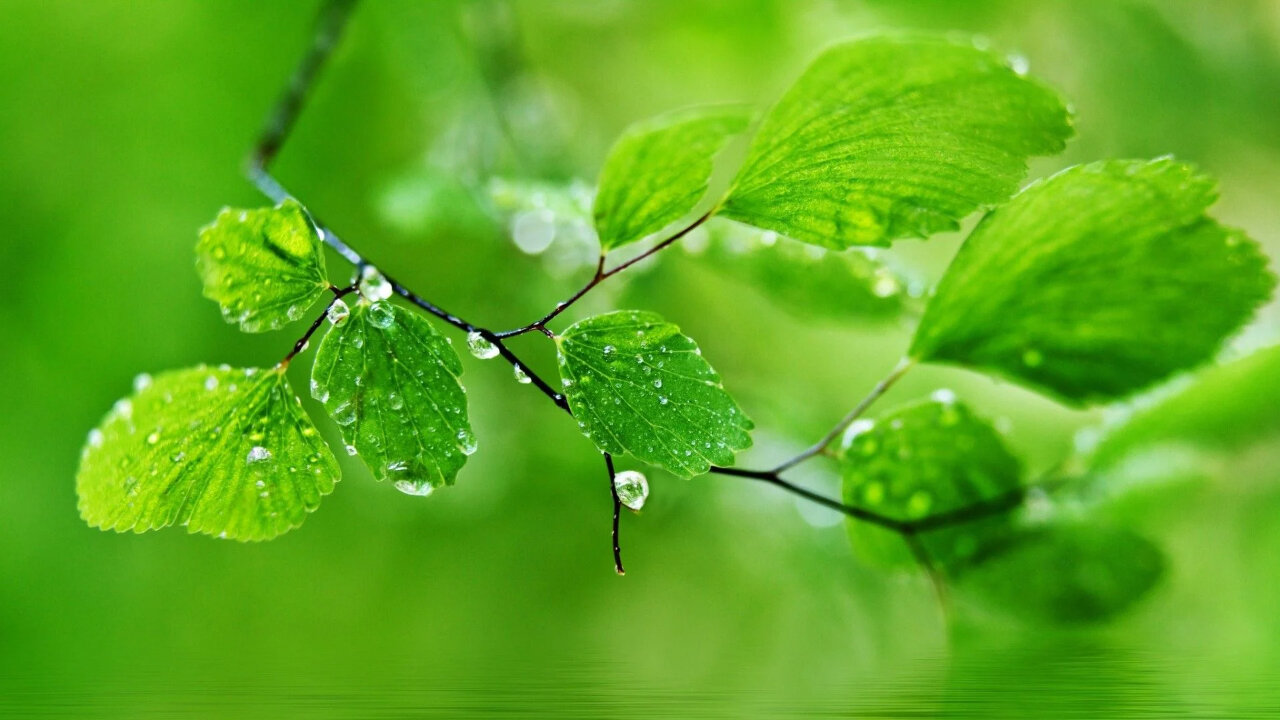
637 386
220 451
264 267
390 381
887 138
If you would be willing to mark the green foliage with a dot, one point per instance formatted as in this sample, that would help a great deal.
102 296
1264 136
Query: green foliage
1227 408
1066 573
390 381
221 451
1096 283
658 171
893 137
636 385
921 460
264 267
806 281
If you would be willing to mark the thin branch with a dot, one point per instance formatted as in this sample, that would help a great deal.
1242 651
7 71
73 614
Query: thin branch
617 513
600 276
880 389
302 342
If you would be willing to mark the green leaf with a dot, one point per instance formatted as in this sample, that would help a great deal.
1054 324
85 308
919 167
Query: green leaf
264 267
925 459
636 385
658 171
1227 408
1066 573
1096 283
808 282
894 137
391 382
222 451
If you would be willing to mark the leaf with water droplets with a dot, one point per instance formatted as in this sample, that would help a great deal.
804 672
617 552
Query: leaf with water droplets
390 381
893 137
221 451
264 267
636 385
919 461
658 171
1065 573
1096 283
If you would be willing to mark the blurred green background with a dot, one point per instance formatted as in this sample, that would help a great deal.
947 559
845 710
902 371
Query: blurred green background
125 125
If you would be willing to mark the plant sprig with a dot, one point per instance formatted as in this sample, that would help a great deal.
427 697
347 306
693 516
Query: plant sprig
879 139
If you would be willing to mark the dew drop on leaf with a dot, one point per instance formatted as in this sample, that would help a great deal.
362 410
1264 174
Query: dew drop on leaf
382 315
412 488
257 454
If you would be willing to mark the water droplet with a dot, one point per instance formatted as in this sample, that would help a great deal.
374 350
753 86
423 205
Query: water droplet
257 454
338 312
141 382
533 230
521 376
884 284
480 347
381 314
179 457
662 400
1032 358
211 383
373 286
95 437
1019 64
918 504
397 466
153 438
466 441
873 493
394 401
344 414
632 488
944 396
412 488
608 349
657 383
351 450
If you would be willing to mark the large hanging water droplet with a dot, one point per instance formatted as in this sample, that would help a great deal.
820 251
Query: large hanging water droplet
257 454
338 312
480 347
381 314
373 285
632 488
414 488
521 376
466 441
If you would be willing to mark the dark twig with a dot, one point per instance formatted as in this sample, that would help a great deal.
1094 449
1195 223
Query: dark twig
617 513
302 342
600 276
